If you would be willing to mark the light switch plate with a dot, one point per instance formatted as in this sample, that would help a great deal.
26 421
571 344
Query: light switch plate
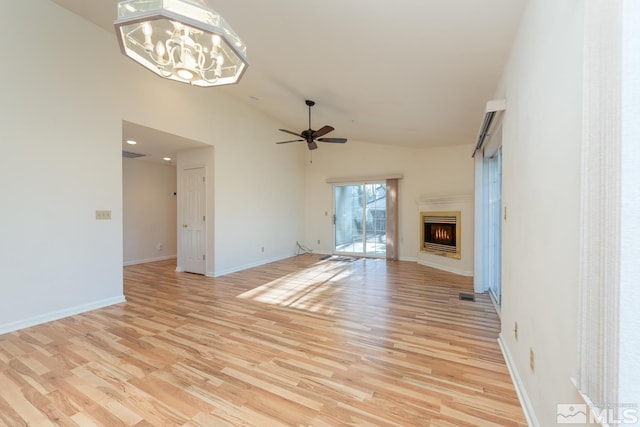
103 214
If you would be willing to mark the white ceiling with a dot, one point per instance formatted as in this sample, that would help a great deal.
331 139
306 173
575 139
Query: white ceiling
407 72
154 144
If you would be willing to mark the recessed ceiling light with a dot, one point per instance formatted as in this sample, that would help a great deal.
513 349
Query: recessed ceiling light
131 142
254 98
166 159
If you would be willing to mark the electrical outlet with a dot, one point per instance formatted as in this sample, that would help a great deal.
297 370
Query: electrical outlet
159 246
103 214
532 360
263 249
318 241
515 330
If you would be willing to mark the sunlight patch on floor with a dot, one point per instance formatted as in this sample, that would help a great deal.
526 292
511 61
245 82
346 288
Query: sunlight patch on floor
308 289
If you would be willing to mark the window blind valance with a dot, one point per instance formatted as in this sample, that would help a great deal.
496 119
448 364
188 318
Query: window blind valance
363 178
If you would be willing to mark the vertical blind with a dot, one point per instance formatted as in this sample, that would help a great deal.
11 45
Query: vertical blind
600 198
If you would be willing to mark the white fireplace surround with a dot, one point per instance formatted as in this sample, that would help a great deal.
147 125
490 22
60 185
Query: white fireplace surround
464 204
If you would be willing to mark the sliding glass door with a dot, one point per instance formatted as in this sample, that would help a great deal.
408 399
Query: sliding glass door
493 219
360 219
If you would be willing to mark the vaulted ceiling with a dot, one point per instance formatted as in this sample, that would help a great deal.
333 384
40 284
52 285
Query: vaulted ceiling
406 72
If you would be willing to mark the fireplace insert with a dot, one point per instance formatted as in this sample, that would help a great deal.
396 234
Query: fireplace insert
440 233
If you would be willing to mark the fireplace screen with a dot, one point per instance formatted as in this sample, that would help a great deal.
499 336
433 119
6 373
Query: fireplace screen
441 233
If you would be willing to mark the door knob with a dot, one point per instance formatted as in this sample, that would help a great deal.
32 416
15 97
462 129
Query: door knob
184 225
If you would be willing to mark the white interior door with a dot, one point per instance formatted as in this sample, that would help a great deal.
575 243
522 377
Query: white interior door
193 230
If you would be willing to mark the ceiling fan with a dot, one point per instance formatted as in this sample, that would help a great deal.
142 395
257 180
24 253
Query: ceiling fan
310 135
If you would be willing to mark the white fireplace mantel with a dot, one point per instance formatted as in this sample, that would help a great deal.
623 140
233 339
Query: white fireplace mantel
464 204
444 200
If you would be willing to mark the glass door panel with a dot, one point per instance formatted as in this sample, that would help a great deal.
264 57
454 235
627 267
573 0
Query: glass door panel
360 219
348 219
376 219
493 209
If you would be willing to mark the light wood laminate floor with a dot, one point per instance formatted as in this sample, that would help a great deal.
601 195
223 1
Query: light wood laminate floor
299 342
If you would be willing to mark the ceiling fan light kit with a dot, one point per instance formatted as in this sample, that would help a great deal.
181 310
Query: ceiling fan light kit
310 136
181 40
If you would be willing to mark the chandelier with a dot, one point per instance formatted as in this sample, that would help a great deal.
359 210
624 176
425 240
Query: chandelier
182 40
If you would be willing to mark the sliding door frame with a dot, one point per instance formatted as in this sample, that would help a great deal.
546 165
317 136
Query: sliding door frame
363 220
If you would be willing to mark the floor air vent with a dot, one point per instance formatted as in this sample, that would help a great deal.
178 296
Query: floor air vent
131 154
467 297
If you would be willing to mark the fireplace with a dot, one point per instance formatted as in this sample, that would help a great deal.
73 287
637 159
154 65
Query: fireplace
440 233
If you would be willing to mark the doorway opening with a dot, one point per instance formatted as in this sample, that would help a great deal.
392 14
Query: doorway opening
152 227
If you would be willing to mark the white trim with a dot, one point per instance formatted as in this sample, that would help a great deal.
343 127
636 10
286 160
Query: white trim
496 105
144 261
593 408
59 314
527 406
495 305
323 252
491 120
478 215
246 266
445 200
447 269
258 264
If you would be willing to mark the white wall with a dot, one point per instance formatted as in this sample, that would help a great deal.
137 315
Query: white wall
60 131
148 211
427 173
541 188
61 161
259 199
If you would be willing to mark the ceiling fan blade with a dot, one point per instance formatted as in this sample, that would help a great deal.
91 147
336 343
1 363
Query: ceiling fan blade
334 140
310 136
293 140
288 131
322 131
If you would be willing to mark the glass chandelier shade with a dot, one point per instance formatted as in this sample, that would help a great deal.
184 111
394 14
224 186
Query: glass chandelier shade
182 40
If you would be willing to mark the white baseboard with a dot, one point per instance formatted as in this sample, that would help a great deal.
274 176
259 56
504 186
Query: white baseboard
408 259
527 407
219 273
144 261
447 269
259 263
59 314
496 306
322 252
